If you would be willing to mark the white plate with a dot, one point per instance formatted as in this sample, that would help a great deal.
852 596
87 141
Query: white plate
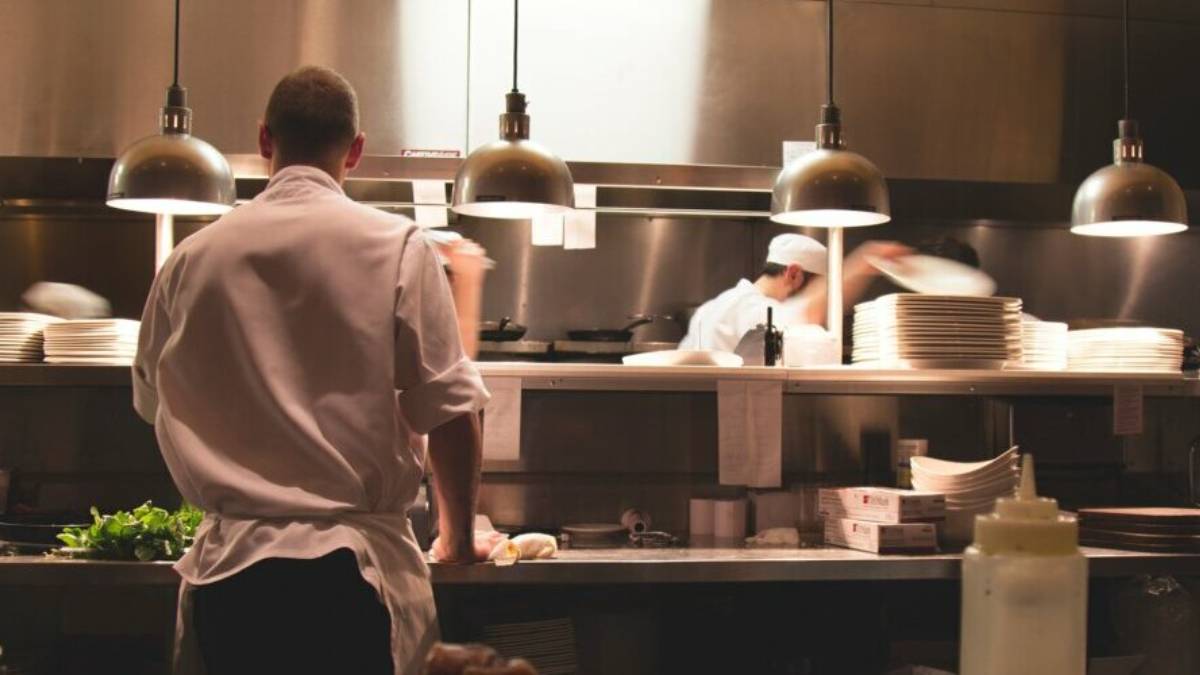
99 361
684 357
944 299
942 467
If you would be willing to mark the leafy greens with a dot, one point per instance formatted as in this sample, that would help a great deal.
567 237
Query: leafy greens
146 533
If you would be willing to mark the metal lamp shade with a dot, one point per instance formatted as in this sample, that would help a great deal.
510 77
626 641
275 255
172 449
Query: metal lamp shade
1129 199
514 179
829 187
172 173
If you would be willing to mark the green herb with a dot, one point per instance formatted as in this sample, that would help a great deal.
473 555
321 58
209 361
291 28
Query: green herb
146 533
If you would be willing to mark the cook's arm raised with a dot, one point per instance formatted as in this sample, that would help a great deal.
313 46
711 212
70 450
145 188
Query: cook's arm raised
857 274
440 392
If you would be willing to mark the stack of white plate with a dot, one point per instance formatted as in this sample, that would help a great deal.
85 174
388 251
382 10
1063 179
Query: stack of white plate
21 336
1043 345
1153 350
92 342
971 488
909 330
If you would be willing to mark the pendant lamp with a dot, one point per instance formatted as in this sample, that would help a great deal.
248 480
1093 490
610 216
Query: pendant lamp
830 186
172 172
1128 198
513 177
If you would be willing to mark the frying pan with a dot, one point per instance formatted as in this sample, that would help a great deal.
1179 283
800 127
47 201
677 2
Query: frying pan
504 330
38 529
610 334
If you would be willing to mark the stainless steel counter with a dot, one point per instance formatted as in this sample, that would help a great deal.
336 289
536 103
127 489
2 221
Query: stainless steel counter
633 566
616 377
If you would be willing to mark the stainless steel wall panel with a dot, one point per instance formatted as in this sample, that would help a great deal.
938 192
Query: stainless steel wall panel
607 81
87 78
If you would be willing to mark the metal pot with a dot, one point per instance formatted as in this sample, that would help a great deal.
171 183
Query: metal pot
611 334
504 330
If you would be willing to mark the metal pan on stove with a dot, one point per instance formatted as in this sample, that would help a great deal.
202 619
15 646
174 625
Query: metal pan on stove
504 330
610 334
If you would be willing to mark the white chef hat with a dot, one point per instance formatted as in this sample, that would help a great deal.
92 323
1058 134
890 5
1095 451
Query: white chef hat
797 249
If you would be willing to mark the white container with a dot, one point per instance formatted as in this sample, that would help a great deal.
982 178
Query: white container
729 519
701 517
808 346
1024 590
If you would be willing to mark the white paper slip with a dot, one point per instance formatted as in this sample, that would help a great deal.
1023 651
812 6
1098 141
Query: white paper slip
793 150
1127 410
502 419
750 433
585 196
431 216
580 230
429 192
546 229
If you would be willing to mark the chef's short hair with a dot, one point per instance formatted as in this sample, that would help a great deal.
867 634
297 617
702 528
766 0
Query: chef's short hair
312 112
775 270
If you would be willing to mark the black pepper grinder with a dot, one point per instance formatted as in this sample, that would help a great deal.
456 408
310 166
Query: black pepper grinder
772 341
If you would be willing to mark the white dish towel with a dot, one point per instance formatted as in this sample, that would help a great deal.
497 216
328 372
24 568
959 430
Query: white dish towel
750 433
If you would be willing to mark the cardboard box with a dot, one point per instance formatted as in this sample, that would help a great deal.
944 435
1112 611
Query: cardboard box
882 505
881 537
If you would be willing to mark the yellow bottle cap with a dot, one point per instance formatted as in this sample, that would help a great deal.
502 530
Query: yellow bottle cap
1026 523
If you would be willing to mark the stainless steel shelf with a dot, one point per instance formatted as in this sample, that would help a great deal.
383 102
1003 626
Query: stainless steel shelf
633 566
615 377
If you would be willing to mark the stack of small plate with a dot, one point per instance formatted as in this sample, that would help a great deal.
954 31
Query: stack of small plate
1043 345
1126 349
909 330
971 488
92 342
1161 529
21 336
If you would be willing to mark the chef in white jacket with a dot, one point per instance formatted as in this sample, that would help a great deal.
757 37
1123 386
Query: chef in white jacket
792 283
290 354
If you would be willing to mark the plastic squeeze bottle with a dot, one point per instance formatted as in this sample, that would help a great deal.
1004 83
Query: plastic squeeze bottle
1024 590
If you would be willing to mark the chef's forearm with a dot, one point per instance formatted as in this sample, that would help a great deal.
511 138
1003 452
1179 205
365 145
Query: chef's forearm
455 455
468 303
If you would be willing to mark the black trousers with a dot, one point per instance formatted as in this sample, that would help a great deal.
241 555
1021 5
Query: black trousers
295 617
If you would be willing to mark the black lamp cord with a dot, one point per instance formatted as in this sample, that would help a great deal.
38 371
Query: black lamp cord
516 34
175 79
829 53
1126 36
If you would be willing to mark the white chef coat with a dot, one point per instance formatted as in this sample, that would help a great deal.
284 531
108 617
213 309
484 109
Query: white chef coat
289 354
720 323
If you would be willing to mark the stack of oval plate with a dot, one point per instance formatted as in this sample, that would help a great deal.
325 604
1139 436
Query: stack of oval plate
21 336
909 330
971 488
1043 345
92 342
1126 349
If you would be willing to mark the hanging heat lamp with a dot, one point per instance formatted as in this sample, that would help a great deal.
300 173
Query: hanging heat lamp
1128 198
832 188
513 177
172 172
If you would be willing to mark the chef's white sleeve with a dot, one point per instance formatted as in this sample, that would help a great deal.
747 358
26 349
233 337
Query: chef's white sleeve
155 328
752 312
435 380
